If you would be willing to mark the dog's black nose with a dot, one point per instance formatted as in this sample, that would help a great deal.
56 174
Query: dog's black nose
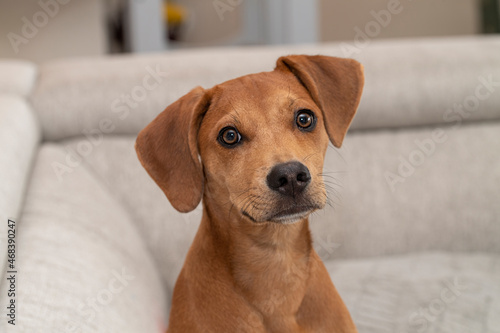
289 178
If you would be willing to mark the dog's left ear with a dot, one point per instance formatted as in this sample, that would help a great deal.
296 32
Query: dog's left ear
335 84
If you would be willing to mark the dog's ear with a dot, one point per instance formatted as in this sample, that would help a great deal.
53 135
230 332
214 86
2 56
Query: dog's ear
335 84
168 150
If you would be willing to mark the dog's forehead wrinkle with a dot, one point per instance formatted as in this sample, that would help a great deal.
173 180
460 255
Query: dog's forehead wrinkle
235 119
294 100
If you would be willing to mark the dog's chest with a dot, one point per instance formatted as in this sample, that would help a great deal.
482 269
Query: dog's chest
273 281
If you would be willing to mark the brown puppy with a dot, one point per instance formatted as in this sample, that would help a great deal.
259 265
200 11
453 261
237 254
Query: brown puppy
253 148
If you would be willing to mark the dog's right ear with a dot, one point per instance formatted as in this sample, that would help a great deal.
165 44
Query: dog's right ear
168 150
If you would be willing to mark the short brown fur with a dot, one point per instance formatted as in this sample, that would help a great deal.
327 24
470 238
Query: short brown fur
247 270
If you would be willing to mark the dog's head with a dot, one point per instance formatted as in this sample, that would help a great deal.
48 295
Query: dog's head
255 145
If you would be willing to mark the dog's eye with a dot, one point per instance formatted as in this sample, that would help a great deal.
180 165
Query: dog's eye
305 120
229 136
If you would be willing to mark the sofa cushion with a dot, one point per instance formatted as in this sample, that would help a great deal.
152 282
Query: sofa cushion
18 77
429 292
82 267
408 83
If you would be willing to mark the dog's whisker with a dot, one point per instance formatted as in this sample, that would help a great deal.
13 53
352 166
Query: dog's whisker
232 202
335 149
245 201
327 171
242 201
256 203
331 174
333 183
249 203
331 193
331 190
333 187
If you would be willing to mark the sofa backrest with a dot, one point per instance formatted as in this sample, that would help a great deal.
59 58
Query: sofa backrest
408 83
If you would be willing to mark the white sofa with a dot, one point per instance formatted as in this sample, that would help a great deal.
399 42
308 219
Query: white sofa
412 241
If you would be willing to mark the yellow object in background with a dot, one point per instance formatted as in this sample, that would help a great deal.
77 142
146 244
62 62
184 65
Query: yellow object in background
173 13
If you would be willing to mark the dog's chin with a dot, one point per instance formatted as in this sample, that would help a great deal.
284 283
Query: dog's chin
289 215
291 218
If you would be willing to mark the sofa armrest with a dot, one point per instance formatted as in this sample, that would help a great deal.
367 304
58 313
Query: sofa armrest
19 138
82 264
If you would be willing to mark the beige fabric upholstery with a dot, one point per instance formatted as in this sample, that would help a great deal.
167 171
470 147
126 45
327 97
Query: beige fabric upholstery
408 83
82 265
19 137
429 292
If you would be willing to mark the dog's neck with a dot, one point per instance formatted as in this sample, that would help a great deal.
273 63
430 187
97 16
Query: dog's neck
268 262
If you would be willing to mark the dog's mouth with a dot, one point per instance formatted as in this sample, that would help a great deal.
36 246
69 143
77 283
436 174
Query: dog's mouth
287 215
292 214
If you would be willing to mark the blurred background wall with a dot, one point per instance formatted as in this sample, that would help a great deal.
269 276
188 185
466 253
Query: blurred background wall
34 32
40 30
416 18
